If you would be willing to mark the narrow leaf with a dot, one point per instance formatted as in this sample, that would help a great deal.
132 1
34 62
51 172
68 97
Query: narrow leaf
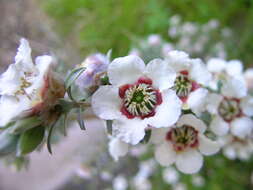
147 136
50 132
73 76
80 119
109 126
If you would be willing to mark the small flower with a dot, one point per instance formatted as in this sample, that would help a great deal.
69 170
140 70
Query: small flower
28 88
170 175
231 110
183 144
95 65
192 76
139 96
248 76
120 183
237 148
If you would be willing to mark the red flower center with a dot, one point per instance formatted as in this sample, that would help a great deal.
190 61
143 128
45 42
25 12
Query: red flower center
183 137
139 99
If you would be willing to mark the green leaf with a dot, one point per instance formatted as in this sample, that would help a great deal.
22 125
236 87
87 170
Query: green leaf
73 76
25 124
80 119
109 126
8 143
30 140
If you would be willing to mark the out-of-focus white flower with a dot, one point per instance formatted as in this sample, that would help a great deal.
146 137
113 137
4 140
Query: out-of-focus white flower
175 20
154 40
248 76
198 181
166 48
192 76
106 176
120 183
28 88
146 168
179 186
117 148
95 64
135 52
138 150
231 110
237 148
84 172
170 175
141 183
184 144
139 96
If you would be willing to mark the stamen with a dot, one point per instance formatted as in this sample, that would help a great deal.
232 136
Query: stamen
229 109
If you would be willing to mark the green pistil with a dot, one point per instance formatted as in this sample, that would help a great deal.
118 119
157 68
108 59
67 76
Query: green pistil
138 97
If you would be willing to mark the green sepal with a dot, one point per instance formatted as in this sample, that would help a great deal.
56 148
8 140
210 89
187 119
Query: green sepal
8 143
147 136
109 126
22 125
30 140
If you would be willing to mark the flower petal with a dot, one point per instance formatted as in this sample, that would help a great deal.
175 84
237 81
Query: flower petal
106 102
158 135
162 75
207 146
168 112
129 130
117 148
196 98
23 59
212 102
125 70
165 154
241 127
190 119
247 106
234 67
178 60
10 81
189 162
199 72
219 126
216 65
11 108
234 87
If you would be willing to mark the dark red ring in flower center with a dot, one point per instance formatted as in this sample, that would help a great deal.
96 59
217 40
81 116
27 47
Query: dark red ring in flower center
139 99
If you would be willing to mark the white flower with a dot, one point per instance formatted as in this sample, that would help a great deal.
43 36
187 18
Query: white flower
117 148
198 181
25 86
139 96
237 148
120 183
231 110
95 64
154 40
141 183
192 76
170 175
184 144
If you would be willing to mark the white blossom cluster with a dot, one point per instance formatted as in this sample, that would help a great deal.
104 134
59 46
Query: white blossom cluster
163 102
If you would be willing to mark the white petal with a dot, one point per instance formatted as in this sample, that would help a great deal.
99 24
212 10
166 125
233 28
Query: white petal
165 154
11 108
168 112
158 135
106 102
219 126
178 60
247 106
229 152
207 146
234 87
43 64
199 72
216 65
196 98
131 131
125 70
10 81
212 102
117 148
189 162
234 67
23 58
241 127
190 119
162 75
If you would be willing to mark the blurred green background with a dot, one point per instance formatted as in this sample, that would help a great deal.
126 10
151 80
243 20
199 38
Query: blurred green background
99 25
